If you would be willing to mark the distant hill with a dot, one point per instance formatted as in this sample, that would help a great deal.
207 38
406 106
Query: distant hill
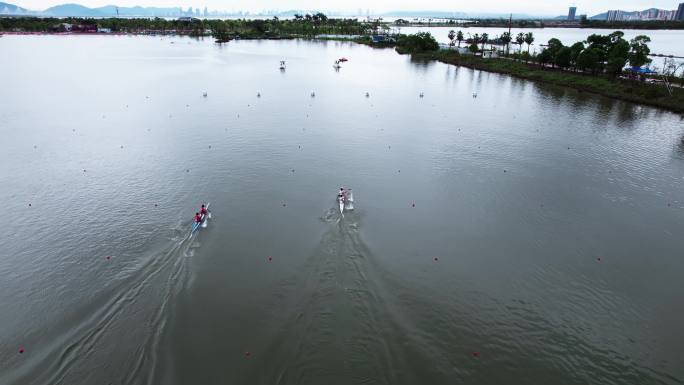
76 10
110 10
11 9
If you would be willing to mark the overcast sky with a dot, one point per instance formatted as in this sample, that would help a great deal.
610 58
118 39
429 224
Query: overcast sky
536 7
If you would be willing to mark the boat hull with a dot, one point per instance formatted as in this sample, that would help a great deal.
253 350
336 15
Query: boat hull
202 222
349 202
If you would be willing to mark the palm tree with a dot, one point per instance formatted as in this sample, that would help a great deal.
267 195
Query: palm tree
519 40
484 38
474 40
452 35
459 37
505 40
529 39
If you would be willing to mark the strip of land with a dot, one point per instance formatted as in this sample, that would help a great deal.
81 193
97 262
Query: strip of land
629 90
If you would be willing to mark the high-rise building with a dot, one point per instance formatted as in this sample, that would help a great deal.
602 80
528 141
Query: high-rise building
667 15
680 12
571 13
616 15
651 14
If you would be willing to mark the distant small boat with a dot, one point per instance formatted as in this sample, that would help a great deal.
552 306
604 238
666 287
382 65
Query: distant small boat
337 65
282 64
343 59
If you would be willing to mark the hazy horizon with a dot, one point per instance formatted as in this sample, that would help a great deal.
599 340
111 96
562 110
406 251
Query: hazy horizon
533 7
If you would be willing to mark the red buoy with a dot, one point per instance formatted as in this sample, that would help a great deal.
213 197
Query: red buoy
21 350
476 354
248 354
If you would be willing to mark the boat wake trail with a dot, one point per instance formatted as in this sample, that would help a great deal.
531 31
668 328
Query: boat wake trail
348 320
340 330
116 334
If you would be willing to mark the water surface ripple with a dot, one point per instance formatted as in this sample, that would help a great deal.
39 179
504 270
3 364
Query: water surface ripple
531 234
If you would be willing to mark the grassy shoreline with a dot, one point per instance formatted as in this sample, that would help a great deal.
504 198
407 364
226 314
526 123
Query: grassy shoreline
627 90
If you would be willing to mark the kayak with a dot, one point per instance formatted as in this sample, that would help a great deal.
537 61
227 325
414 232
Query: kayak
346 202
349 201
203 220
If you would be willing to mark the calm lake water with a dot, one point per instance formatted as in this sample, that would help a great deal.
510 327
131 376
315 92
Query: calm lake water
531 234
666 42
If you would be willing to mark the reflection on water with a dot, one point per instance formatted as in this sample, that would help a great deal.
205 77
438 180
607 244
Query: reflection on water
680 146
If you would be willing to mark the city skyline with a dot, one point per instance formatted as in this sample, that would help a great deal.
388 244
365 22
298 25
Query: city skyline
532 7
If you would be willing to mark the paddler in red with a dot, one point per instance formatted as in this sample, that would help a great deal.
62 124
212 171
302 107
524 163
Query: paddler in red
203 210
197 218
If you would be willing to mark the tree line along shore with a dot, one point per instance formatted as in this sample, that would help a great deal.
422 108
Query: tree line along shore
546 23
309 24
596 64
299 26
607 65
